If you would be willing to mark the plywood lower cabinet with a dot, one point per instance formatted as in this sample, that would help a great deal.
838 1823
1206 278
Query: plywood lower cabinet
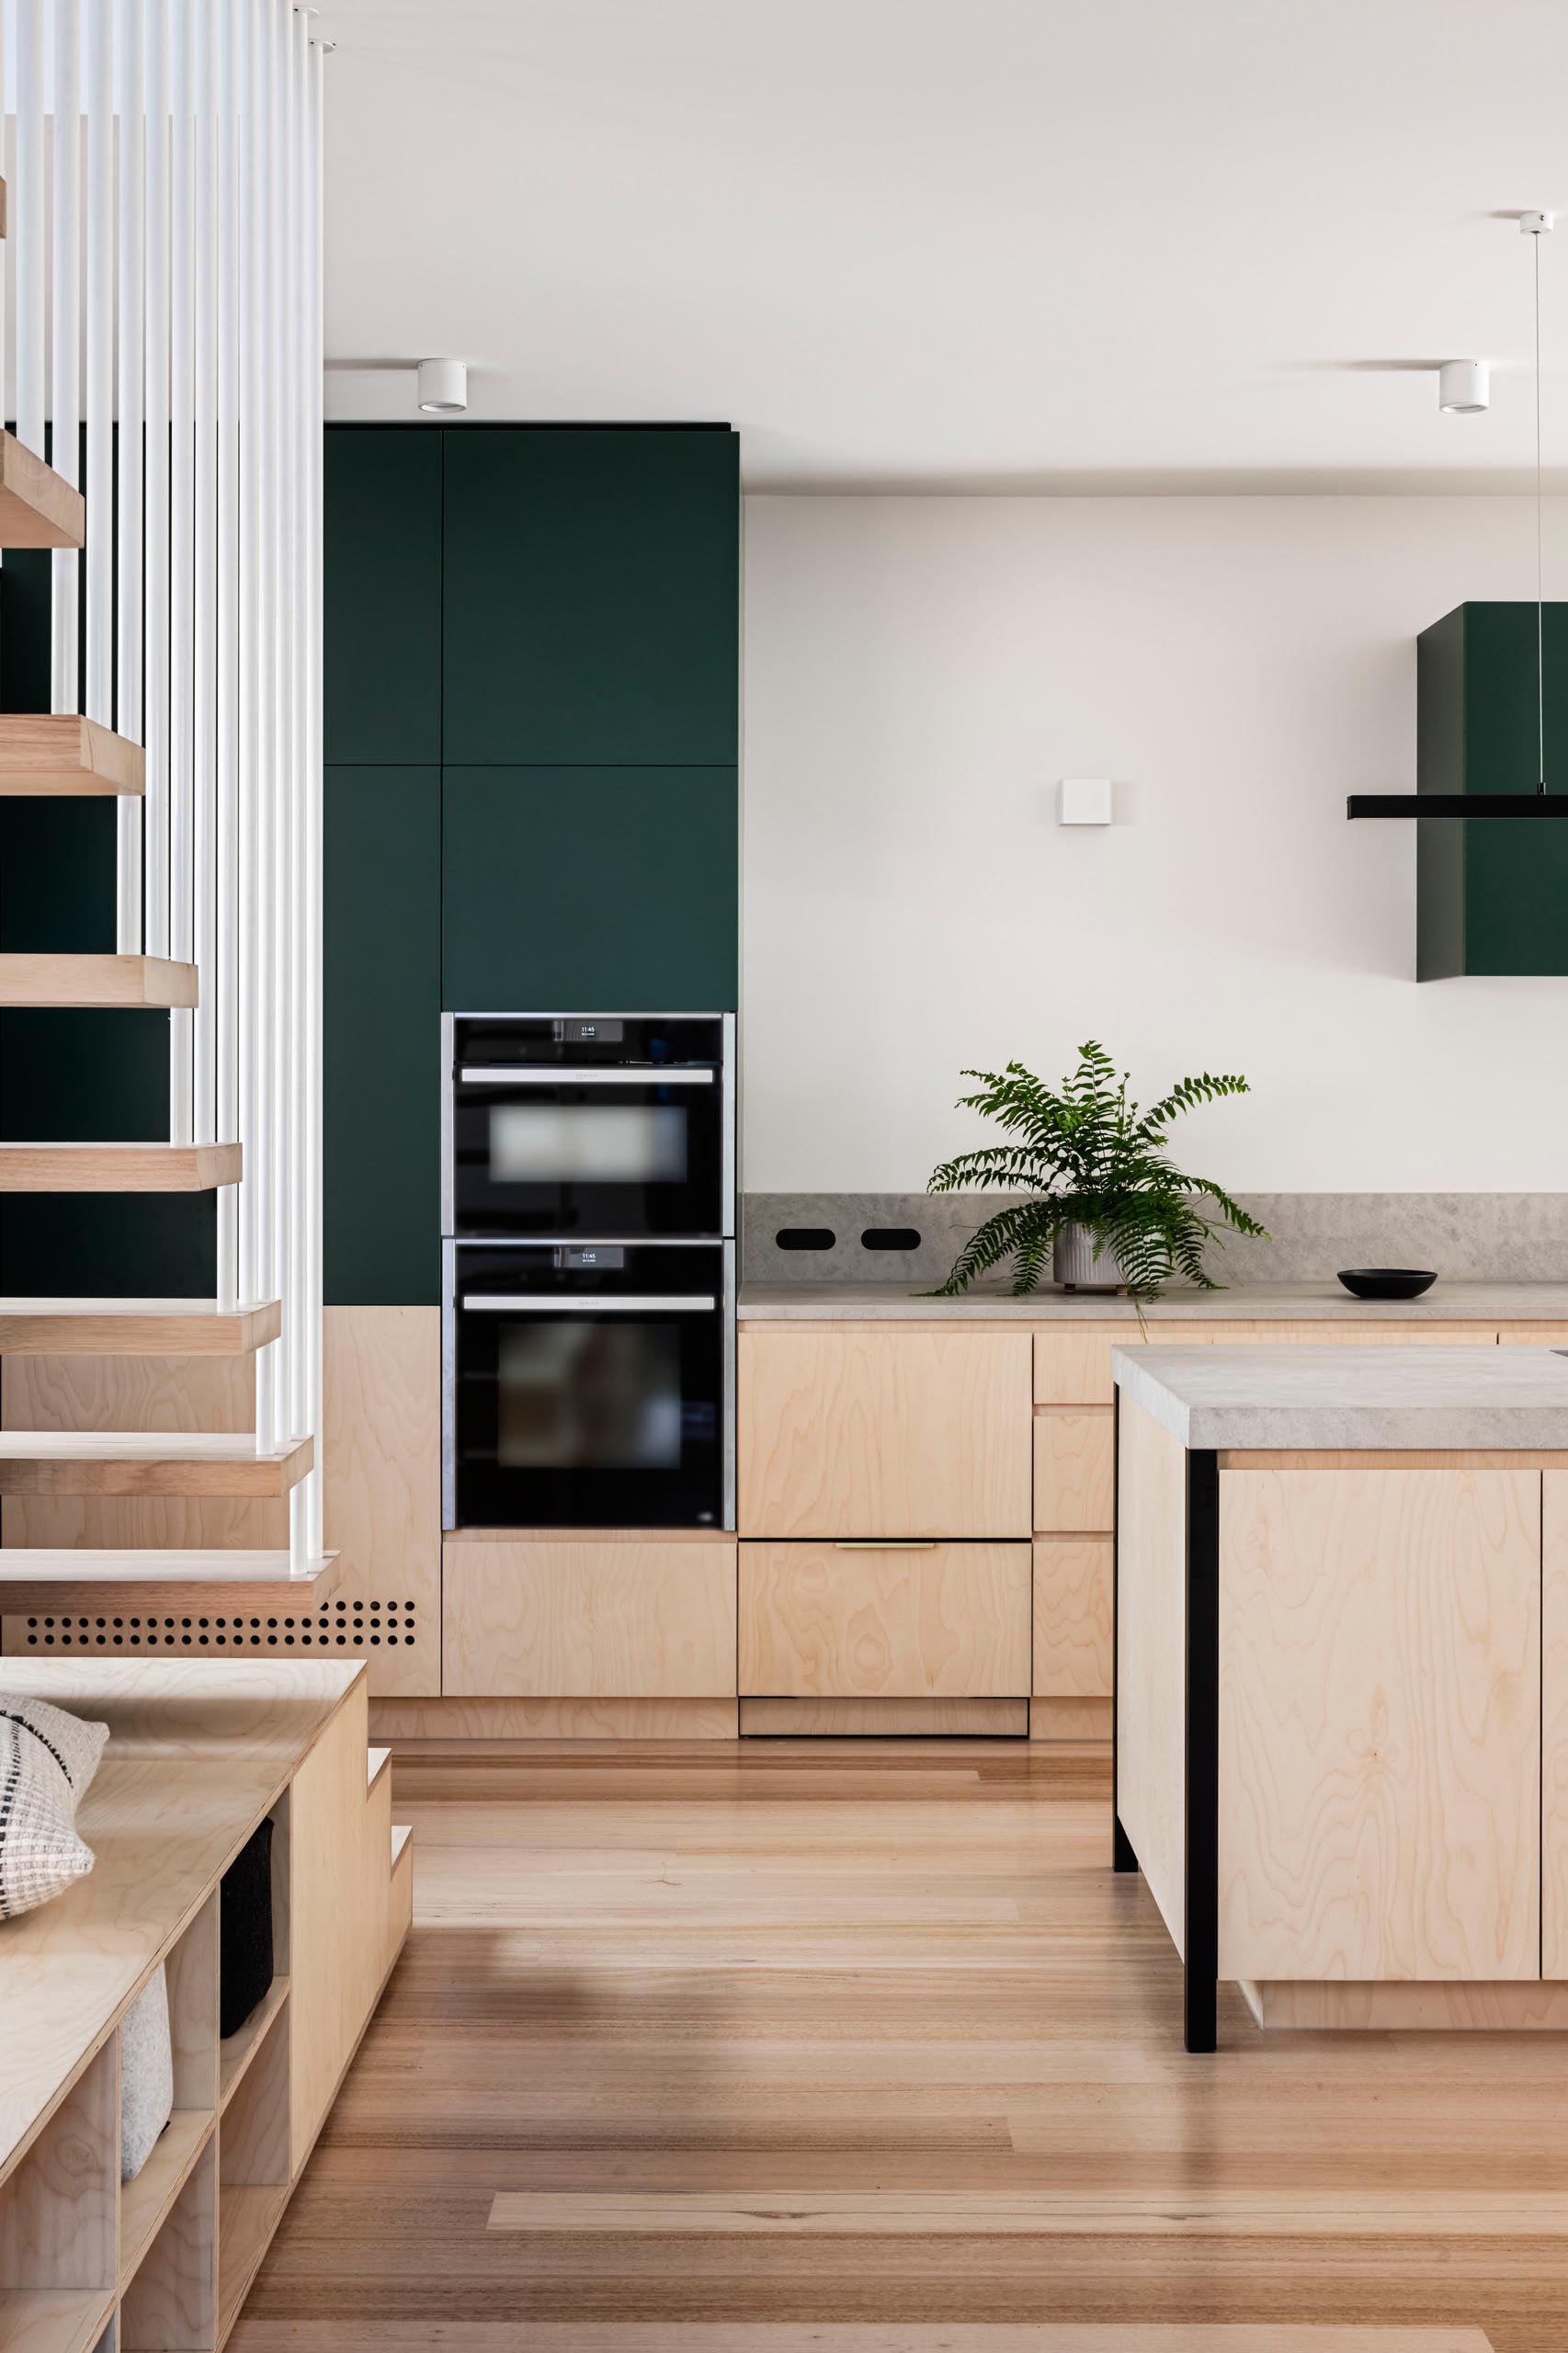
1073 1578
1380 1724
867 1621
863 1432
572 1619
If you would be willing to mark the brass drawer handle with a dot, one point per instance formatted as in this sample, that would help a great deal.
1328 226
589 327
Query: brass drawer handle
885 1544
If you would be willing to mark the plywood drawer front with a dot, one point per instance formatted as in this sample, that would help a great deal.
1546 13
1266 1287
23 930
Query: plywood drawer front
1074 1478
1072 1617
1073 1368
569 1621
865 1433
949 1621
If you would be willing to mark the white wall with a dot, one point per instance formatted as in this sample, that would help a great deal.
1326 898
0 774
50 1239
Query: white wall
919 671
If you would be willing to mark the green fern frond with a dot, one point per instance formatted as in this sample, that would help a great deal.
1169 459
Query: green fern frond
1089 1156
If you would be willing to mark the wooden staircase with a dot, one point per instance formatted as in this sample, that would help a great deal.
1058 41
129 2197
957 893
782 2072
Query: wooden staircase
51 755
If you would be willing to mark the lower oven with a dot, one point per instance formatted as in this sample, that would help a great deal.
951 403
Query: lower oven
588 1385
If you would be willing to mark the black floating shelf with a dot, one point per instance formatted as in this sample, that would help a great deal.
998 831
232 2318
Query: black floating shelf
1457 804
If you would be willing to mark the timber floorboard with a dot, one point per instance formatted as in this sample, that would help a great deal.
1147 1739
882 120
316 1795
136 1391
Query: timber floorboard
862 2048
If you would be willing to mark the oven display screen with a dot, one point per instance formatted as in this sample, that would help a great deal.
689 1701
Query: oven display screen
626 1143
589 1395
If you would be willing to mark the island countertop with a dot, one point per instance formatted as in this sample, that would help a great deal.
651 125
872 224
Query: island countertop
1324 1302
1350 1399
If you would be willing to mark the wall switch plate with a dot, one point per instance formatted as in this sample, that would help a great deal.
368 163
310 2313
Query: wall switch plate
1083 801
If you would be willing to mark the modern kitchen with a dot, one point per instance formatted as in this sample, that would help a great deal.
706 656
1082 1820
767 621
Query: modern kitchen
942 1232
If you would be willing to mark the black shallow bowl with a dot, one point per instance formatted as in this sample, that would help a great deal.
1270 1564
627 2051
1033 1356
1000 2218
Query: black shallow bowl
1386 1282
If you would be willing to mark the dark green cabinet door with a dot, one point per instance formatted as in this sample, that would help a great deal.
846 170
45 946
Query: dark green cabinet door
598 889
591 596
382 593
381 1045
1492 897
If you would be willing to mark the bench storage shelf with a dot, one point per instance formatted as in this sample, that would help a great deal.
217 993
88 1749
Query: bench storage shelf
200 1753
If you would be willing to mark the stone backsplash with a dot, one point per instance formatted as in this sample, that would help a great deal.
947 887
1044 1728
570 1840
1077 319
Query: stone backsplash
1473 1237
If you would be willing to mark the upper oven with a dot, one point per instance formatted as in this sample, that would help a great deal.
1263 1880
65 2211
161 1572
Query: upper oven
589 1124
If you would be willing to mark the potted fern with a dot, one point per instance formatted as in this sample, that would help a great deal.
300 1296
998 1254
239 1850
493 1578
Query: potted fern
1106 1205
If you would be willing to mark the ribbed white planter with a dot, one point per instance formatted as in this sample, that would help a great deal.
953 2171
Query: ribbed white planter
1078 1266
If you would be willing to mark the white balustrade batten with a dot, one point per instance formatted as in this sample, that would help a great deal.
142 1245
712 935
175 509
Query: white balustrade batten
130 410
100 260
182 551
65 315
173 318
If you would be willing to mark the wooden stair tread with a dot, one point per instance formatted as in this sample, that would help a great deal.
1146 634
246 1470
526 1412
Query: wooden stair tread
117 1167
83 1578
47 980
48 753
135 1327
401 1832
375 1766
149 1463
38 507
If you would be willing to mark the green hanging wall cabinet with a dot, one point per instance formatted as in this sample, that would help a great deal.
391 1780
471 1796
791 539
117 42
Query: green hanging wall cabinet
1491 898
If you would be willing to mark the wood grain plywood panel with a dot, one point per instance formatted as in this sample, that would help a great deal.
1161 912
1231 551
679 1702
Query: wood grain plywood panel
1554 1725
885 1719
43 978
1074 1468
1379 1737
1073 1578
1523 2006
382 1476
575 1619
1073 1368
861 1433
127 1393
949 1621
193 1327
38 508
59 753
449 1719
1151 1642
117 1167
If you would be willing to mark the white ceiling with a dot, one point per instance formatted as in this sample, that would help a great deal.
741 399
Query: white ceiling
962 245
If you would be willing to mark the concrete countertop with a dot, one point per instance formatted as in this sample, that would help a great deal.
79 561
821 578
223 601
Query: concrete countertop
1276 1302
1351 1398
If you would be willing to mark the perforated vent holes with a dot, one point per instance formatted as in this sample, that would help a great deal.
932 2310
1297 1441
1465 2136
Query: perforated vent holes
368 1625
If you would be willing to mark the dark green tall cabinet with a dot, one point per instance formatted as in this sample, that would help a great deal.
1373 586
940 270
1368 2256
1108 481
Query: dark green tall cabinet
532 721
1493 895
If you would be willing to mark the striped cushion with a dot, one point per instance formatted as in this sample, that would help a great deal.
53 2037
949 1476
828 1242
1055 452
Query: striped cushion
47 1759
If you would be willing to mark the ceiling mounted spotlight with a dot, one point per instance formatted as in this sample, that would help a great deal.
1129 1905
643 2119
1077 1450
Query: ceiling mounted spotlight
1464 387
443 386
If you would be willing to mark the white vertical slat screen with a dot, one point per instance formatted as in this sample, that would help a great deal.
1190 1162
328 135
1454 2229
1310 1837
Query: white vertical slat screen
165 258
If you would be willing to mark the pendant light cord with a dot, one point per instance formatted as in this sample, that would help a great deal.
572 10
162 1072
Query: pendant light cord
1539 559
1540 572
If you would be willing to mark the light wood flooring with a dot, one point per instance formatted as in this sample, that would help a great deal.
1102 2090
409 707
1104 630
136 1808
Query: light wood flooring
861 2048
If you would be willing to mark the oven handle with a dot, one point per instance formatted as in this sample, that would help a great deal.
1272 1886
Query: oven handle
573 1304
509 1074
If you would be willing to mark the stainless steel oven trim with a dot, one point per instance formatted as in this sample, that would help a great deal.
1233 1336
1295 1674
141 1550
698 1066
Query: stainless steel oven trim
576 1303
637 1013
624 1075
590 1241
727 1114
448 1202
728 1521
448 1385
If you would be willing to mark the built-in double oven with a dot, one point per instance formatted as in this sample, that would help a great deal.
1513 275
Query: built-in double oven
588 1190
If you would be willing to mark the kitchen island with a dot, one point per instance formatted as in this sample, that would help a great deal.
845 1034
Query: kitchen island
1341 1678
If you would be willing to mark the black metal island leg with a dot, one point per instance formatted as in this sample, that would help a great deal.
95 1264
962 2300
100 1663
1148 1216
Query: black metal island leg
1201 1922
